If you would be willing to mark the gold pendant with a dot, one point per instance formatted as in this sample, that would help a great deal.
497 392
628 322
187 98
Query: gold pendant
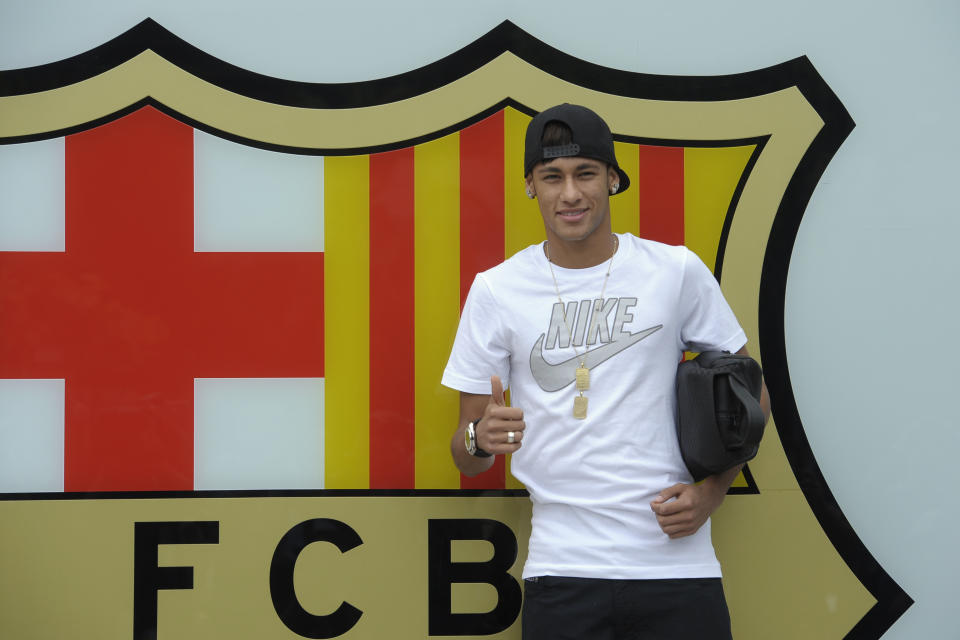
580 407
583 378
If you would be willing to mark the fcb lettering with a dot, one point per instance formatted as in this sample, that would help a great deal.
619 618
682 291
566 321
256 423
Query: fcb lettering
150 578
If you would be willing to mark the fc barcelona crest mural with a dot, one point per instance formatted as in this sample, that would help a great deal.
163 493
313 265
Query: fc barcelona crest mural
226 301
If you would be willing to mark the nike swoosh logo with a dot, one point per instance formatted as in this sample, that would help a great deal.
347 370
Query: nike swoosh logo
553 377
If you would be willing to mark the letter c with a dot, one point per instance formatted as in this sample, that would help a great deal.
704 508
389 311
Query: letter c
282 592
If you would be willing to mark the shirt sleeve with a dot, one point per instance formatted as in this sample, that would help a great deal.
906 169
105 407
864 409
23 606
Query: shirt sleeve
708 322
480 349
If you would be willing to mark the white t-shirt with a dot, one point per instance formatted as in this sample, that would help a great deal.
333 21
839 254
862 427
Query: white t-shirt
591 481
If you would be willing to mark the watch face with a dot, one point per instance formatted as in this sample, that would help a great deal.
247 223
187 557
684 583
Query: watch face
470 439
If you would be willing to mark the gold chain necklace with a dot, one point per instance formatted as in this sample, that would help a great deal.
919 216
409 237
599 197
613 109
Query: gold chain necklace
582 372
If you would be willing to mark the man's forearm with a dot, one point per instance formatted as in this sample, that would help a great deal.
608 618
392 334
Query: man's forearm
718 484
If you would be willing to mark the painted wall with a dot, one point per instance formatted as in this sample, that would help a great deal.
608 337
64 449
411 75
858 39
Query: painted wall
873 272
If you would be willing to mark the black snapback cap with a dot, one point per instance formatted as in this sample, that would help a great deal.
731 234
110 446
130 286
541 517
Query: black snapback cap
591 139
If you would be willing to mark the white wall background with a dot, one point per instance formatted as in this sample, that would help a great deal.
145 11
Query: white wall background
873 278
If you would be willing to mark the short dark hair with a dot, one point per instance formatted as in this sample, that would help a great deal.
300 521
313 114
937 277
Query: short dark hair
556 134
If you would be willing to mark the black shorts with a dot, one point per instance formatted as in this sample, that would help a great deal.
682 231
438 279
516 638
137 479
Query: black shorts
558 608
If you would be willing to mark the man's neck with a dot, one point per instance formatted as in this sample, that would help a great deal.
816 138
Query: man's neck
581 254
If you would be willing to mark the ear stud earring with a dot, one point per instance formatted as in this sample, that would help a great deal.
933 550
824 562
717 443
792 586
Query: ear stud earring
614 188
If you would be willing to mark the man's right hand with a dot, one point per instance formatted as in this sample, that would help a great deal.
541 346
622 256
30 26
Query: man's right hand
501 428
497 421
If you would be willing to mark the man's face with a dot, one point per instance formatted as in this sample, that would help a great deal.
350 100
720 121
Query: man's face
574 196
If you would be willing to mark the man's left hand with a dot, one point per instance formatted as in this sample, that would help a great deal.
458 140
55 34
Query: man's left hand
683 508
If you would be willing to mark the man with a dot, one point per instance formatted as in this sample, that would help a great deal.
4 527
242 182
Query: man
587 330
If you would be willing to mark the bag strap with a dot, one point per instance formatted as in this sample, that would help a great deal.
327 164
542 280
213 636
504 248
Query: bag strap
752 408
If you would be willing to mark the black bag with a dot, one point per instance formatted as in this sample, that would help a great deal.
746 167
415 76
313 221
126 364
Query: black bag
719 418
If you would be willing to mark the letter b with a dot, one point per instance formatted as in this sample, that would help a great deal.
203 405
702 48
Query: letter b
443 573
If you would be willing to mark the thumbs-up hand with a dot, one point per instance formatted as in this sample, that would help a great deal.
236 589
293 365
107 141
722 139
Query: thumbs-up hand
501 428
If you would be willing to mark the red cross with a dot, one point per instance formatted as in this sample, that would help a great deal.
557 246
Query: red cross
129 314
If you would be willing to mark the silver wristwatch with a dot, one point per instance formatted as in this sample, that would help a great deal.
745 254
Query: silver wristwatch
470 440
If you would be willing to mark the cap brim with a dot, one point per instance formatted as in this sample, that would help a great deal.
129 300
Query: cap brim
624 181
